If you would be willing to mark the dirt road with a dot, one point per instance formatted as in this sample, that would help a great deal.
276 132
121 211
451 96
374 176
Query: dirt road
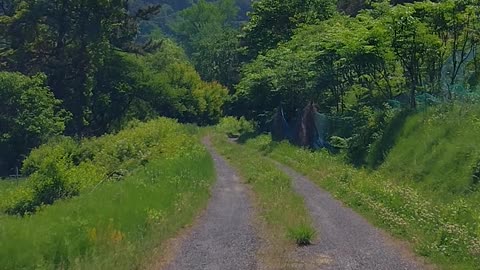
347 241
224 237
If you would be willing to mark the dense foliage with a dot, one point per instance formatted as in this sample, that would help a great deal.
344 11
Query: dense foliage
208 32
68 41
363 69
29 116
84 74
273 21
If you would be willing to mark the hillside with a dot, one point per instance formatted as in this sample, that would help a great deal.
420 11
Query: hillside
438 151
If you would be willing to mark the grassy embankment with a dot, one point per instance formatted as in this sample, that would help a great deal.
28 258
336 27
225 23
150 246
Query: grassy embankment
127 193
283 212
425 192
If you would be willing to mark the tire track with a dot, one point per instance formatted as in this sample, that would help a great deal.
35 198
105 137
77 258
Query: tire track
224 236
346 240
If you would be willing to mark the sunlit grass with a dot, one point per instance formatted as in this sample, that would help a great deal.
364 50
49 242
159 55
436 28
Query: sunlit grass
117 223
283 210
445 231
303 234
114 226
439 151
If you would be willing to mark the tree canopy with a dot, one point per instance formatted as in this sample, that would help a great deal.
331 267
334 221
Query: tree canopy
29 116
108 62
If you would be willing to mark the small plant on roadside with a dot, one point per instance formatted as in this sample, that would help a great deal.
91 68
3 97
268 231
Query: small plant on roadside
302 234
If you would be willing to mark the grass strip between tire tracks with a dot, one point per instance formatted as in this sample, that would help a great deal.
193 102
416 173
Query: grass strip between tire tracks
284 212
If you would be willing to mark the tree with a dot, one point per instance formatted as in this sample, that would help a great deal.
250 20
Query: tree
274 21
216 56
29 116
456 24
166 84
324 63
68 41
206 30
414 46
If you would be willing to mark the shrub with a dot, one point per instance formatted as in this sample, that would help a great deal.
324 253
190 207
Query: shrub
235 127
48 181
339 142
59 149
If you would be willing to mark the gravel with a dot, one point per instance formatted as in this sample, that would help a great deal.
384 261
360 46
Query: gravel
346 240
224 236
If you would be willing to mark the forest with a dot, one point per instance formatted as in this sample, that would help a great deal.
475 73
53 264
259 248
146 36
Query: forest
84 69
91 91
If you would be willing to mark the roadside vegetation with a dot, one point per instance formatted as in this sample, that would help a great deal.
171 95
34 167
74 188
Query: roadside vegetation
438 152
104 203
443 229
283 211
8 184
82 83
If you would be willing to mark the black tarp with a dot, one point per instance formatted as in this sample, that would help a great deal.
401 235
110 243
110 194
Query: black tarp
310 129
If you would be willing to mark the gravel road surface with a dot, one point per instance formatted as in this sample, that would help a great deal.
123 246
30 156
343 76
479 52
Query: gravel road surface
346 240
224 236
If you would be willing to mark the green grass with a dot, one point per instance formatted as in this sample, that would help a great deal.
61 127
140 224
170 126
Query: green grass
66 167
302 235
116 225
446 232
7 185
282 209
439 151
133 189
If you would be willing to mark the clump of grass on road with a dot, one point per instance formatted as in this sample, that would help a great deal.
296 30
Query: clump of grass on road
302 235
284 210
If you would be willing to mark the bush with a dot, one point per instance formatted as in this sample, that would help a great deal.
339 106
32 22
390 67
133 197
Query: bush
235 127
60 149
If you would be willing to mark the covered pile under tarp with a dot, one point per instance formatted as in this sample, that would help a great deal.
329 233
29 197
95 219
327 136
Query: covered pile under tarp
310 129
280 129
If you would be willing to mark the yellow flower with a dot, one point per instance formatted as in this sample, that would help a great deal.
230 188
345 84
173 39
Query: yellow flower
116 236
92 235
